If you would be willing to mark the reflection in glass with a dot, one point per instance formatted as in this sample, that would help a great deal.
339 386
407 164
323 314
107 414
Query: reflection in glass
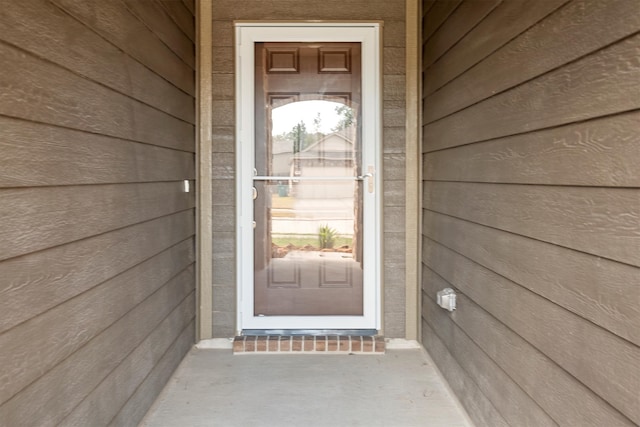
307 152
312 229
324 130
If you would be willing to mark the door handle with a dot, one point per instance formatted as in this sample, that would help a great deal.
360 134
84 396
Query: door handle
369 178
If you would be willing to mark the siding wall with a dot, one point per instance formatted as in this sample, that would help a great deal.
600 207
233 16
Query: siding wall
532 208
392 13
96 237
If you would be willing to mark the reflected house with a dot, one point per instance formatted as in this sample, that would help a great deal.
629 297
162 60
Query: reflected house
318 202
331 156
281 151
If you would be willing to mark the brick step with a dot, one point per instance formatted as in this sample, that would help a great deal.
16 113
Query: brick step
309 344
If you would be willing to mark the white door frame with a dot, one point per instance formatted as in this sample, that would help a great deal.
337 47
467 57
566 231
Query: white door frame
246 35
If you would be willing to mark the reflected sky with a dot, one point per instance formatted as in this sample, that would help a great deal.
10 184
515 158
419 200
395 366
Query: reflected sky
284 118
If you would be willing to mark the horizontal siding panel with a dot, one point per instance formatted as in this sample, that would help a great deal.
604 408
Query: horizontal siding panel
225 218
64 41
393 166
609 148
225 246
479 408
394 249
36 154
611 301
67 327
222 33
564 398
393 88
437 15
504 23
598 221
40 91
394 60
546 46
426 6
599 84
394 193
223 138
393 34
27 289
517 408
191 5
181 16
395 140
223 87
224 62
600 360
136 407
154 16
79 374
393 114
295 9
223 113
97 131
174 335
225 193
115 23
223 166
461 21
59 215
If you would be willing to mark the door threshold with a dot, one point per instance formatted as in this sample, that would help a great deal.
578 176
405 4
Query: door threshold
309 344
310 332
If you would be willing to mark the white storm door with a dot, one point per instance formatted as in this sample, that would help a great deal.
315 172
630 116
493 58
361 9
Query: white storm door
308 134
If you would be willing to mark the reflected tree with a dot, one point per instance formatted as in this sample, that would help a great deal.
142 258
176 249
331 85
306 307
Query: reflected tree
347 118
298 135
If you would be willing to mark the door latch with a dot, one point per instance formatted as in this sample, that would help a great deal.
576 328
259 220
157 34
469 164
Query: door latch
369 178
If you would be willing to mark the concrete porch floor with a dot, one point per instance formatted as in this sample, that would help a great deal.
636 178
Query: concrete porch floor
215 388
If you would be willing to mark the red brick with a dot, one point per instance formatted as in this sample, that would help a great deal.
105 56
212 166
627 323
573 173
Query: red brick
309 343
273 344
379 345
367 344
261 344
321 343
332 343
356 344
343 343
285 343
250 343
238 345
296 344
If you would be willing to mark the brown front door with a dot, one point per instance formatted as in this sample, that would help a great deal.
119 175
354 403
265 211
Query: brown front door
308 180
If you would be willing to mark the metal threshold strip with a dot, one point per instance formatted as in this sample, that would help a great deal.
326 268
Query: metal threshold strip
311 178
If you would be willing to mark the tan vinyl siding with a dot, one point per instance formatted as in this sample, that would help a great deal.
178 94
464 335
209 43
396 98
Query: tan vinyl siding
97 238
392 13
531 208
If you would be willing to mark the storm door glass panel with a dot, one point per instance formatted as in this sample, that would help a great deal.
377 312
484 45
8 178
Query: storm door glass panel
308 187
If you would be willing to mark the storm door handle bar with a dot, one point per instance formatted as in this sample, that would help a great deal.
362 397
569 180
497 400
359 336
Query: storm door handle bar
313 178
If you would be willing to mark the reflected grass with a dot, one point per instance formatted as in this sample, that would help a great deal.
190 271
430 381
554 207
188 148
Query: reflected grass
308 239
